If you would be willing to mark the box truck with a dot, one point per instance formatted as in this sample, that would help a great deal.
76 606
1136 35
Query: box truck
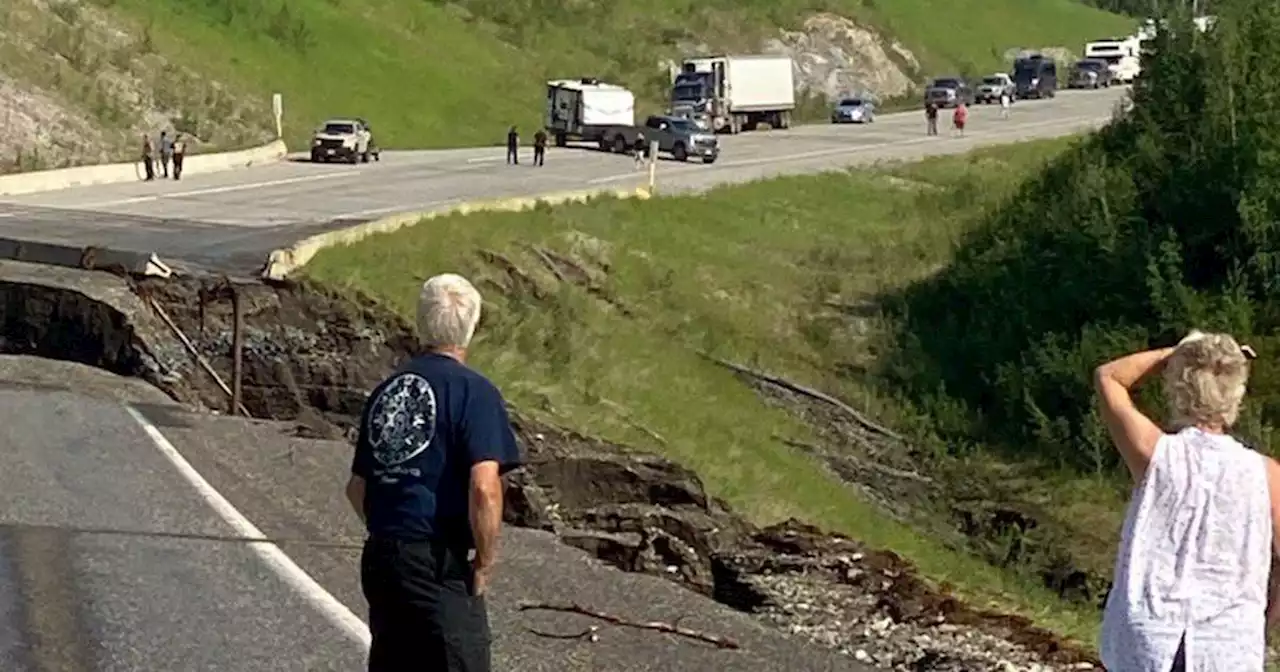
588 110
734 92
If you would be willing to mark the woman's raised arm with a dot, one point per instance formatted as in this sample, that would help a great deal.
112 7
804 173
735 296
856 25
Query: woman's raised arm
1134 434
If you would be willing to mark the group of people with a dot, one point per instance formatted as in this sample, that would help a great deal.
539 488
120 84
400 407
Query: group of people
960 116
172 149
513 147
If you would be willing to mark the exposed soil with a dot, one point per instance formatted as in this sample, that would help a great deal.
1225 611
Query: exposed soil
311 356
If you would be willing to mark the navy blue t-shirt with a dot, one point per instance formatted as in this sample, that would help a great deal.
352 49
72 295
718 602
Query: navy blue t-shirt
421 431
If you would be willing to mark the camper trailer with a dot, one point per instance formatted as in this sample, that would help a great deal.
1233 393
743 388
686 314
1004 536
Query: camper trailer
587 110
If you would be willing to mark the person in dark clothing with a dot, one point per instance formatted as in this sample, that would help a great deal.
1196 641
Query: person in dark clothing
513 146
640 149
539 147
148 164
426 479
179 153
166 152
931 116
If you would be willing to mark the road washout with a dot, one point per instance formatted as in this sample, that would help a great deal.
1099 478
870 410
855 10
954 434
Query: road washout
311 354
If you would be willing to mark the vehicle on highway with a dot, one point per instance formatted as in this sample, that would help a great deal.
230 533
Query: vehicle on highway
587 109
348 139
733 93
678 136
991 86
1122 56
1035 76
948 92
1090 73
853 111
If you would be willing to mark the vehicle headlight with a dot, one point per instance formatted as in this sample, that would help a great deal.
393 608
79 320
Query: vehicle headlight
315 141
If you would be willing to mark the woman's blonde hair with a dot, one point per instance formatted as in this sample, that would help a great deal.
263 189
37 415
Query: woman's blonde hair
1204 381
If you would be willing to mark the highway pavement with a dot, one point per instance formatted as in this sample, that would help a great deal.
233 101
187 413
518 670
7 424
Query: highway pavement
124 548
231 220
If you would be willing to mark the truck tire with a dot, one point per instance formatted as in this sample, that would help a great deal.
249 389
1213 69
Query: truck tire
679 152
315 156
561 141
364 156
619 144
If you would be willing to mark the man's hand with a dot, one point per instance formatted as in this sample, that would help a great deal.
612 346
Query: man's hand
480 576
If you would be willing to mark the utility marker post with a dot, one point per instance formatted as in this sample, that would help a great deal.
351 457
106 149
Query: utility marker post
653 166
277 109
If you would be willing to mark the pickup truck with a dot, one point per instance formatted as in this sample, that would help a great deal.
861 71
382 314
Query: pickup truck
993 85
677 136
347 139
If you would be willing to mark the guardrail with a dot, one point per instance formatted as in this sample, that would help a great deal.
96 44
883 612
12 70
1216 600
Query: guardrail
111 173
284 261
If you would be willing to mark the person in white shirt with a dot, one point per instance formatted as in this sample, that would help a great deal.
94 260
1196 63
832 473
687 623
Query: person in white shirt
1004 104
1193 572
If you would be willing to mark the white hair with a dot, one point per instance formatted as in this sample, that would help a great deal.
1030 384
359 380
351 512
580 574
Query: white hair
448 311
1205 380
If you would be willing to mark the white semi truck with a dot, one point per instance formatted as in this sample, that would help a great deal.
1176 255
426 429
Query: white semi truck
734 92
587 110
1122 55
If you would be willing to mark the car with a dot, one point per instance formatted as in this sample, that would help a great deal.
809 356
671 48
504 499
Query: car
948 92
853 110
1090 73
992 86
348 139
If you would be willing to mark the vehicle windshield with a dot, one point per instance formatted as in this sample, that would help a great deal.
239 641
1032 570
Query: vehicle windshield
946 83
851 102
992 80
339 129
1091 65
690 86
682 125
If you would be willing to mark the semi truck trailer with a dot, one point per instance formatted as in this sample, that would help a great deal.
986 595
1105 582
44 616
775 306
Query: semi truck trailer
732 93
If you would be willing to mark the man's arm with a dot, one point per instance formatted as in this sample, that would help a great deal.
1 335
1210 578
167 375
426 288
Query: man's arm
486 516
355 495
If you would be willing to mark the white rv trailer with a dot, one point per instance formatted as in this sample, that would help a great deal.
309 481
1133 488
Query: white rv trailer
1122 55
587 109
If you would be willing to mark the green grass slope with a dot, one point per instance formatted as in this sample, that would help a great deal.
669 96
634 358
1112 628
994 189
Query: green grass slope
437 74
768 275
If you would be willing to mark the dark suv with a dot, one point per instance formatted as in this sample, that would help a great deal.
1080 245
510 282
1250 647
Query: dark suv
948 92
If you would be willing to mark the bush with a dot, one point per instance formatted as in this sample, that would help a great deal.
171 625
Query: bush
1163 221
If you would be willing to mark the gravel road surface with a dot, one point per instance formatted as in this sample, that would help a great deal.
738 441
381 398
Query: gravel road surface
233 219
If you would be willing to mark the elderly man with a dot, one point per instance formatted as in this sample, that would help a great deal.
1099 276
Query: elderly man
434 441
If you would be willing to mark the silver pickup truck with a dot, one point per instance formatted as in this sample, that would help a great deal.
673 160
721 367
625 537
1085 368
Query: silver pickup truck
677 136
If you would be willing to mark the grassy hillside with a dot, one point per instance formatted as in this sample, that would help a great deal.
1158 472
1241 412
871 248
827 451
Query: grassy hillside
772 275
433 74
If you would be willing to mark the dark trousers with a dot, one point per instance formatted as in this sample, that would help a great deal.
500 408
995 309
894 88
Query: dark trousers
933 126
422 613
150 167
177 166
164 164
513 154
539 155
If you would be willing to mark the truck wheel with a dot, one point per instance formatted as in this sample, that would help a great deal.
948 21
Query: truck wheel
619 145
315 157
561 141
679 152
354 157
364 157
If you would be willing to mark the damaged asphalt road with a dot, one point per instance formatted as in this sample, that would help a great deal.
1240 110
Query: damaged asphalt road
110 560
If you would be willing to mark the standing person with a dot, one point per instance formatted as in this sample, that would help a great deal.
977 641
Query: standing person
1190 590
959 117
147 158
1005 101
513 147
166 152
179 153
539 147
640 149
931 118
433 444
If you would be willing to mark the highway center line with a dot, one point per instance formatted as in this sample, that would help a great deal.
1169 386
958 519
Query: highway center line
284 567
217 190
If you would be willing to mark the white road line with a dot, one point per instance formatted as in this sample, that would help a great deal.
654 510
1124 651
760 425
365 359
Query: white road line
217 190
276 559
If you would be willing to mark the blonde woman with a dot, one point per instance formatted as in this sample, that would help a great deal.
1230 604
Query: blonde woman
1191 576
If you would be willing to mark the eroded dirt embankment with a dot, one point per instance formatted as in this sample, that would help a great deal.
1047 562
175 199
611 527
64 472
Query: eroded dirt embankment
310 356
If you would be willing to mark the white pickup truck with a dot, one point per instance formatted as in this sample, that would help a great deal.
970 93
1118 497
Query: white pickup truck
348 139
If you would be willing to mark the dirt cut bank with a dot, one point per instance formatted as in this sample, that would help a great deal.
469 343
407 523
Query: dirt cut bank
310 355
